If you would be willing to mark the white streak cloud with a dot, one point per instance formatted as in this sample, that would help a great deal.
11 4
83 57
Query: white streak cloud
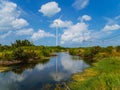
5 35
22 32
111 27
80 4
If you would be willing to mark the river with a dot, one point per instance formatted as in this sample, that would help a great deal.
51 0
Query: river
36 77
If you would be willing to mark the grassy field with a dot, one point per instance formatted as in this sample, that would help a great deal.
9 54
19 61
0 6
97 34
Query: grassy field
103 75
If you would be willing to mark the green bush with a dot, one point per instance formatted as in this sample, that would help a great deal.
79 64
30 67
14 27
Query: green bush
75 51
118 48
46 52
32 54
6 56
90 53
19 54
19 43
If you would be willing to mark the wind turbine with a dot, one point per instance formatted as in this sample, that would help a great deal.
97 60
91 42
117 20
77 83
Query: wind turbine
57 27
57 33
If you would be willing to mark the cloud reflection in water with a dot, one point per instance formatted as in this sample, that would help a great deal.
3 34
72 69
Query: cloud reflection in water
58 69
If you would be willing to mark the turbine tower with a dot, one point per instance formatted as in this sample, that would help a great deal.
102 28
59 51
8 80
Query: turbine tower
56 65
56 34
57 26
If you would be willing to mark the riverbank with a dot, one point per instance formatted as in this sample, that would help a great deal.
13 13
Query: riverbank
9 65
12 62
103 75
23 51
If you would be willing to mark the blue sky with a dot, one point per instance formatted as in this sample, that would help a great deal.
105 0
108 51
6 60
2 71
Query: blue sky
79 22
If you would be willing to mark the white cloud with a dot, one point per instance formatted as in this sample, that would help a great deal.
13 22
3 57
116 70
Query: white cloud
110 21
61 24
6 34
111 27
19 23
86 18
49 9
111 24
41 34
80 4
22 32
76 33
10 16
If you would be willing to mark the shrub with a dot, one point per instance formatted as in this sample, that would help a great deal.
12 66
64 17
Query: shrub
90 53
75 51
118 48
32 54
19 54
101 55
46 52
19 43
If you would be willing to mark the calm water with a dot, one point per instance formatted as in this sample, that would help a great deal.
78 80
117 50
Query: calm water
36 76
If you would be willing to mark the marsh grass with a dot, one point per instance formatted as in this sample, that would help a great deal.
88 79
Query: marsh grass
104 75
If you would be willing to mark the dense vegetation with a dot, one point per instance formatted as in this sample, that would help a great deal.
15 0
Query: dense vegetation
24 51
104 74
92 54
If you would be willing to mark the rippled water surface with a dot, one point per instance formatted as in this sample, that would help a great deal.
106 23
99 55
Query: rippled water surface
37 76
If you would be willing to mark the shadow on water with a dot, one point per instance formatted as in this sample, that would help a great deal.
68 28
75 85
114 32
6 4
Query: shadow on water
42 76
19 68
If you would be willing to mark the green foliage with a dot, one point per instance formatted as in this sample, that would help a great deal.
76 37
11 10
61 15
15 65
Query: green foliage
19 43
74 51
19 54
5 48
6 56
118 48
109 49
46 53
90 53
25 56
106 78
32 54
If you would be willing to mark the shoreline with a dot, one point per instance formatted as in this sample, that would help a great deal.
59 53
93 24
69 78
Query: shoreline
98 75
12 62
7 62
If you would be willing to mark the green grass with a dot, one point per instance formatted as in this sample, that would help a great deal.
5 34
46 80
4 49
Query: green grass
104 75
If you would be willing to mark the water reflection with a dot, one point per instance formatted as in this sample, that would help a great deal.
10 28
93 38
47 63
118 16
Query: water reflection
36 76
19 68
72 64
57 75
